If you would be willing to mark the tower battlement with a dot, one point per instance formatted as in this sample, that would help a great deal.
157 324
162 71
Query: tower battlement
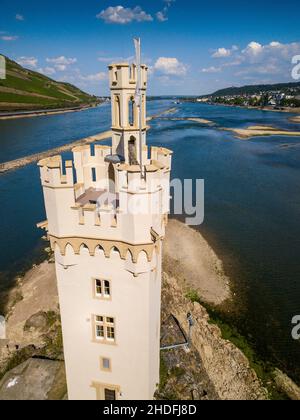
54 173
107 200
124 76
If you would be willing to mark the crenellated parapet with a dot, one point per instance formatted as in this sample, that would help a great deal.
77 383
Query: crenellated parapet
163 156
91 169
92 207
54 174
124 76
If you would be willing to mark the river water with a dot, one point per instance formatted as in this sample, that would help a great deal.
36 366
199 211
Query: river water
252 204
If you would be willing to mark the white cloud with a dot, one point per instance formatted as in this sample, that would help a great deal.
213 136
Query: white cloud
212 69
225 52
27 61
19 17
97 77
122 15
161 16
62 60
253 48
221 52
61 67
275 44
8 38
61 63
170 66
257 59
48 71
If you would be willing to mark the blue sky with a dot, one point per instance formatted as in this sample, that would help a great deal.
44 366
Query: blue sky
191 47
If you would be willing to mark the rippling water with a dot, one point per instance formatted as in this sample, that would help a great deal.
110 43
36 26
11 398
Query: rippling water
252 203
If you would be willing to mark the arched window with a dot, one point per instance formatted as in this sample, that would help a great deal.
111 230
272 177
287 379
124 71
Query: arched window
131 110
132 155
111 179
117 112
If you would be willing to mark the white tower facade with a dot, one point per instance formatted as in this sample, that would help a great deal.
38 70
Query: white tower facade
106 224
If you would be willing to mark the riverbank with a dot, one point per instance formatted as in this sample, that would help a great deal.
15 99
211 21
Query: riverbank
295 119
182 260
213 369
42 113
266 108
260 131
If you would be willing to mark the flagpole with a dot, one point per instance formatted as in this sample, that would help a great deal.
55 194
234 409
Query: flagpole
139 99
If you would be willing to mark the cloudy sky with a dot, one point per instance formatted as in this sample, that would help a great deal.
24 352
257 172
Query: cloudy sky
191 46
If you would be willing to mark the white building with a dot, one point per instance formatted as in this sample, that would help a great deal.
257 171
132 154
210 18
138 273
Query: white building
106 229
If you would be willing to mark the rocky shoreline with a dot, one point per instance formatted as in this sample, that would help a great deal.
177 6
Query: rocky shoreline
212 368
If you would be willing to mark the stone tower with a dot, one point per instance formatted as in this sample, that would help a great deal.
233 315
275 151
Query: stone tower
106 229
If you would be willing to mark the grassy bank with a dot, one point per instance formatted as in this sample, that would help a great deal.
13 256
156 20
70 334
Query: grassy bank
24 89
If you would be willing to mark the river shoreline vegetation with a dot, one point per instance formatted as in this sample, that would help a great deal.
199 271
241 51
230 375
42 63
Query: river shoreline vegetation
284 97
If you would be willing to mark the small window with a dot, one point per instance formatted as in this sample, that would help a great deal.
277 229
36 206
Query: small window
94 174
105 364
102 289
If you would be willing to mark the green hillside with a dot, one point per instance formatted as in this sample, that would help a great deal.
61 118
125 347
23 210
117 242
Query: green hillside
28 90
255 89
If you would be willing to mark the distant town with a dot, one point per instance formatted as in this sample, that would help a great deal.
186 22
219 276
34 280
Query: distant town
277 96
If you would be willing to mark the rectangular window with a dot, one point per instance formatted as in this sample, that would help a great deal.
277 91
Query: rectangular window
94 174
106 288
98 287
110 333
100 332
105 364
102 289
104 328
